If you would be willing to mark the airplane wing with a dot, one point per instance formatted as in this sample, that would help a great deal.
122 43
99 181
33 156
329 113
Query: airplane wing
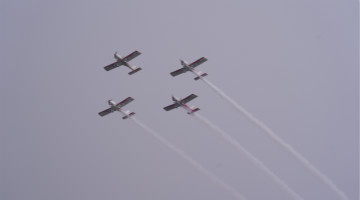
188 98
179 71
105 112
198 62
124 102
170 107
112 66
131 56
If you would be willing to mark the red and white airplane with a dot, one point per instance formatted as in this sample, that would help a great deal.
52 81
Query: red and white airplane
124 61
182 103
118 107
190 67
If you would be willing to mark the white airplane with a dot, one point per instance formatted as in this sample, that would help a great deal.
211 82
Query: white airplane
182 103
118 107
190 67
124 61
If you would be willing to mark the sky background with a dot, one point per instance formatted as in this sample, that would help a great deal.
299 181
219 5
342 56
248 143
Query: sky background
293 64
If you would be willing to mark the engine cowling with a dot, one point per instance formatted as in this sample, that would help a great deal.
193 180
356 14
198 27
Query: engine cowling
111 102
117 56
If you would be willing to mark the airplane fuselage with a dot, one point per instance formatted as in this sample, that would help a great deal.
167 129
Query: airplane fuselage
115 108
118 107
112 103
121 61
183 105
186 65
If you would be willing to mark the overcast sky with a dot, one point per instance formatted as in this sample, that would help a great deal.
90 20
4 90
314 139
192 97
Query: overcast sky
293 64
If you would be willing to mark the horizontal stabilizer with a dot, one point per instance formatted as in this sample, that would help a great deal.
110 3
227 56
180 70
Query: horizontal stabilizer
127 116
196 109
134 71
198 77
193 110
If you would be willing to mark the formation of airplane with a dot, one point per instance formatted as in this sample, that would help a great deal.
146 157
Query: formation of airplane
177 102
190 67
118 107
182 103
124 61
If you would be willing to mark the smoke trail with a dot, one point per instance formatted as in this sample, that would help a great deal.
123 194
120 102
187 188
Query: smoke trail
257 162
190 160
277 139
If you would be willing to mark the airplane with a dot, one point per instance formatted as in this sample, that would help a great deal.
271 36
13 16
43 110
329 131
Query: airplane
190 67
118 107
124 61
182 103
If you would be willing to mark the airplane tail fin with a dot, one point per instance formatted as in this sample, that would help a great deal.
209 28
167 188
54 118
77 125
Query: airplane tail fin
201 75
135 70
127 116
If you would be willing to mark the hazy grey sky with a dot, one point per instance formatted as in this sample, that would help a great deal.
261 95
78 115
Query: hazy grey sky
292 64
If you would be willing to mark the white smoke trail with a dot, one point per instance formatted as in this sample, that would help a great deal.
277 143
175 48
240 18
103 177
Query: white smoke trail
190 160
277 139
256 161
